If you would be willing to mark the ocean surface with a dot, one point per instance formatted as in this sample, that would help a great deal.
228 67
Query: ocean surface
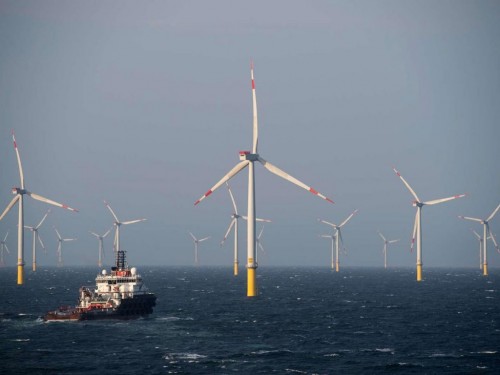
305 321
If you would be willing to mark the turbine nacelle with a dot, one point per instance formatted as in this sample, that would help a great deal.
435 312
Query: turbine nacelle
417 204
16 191
247 155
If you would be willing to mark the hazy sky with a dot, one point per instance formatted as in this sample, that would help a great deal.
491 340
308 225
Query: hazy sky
146 104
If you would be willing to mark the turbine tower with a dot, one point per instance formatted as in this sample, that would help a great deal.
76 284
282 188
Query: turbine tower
59 247
101 245
386 242
234 223
19 193
117 223
248 158
196 242
3 248
417 227
36 236
486 235
338 236
480 240
332 237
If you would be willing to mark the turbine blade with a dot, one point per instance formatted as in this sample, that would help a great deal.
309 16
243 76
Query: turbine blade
10 205
105 234
41 222
6 235
6 248
436 201
476 234
471 219
21 174
493 239
228 176
263 220
381 236
273 169
95 234
58 235
69 239
203 239
41 242
393 241
261 248
192 235
232 198
260 233
133 221
327 223
414 232
493 213
349 218
231 224
407 185
111 210
49 201
254 111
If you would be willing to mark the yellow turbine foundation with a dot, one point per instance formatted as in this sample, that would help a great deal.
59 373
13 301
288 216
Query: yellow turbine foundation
235 268
34 266
20 274
419 272
337 266
251 282
485 269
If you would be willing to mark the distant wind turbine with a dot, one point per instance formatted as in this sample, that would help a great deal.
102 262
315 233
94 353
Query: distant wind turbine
486 235
386 242
248 159
59 247
417 228
36 236
3 248
259 242
480 240
101 245
338 236
196 242
117 223
234 224
19 193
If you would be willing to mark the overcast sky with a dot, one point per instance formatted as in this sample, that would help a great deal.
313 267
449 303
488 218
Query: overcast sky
146 104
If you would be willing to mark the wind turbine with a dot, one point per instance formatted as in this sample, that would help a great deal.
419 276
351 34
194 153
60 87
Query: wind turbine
117 223
386 242
338 236
59 247
196 242
417 227
3 248
332 237
101 245
248 158
234 223
486 235
19 193
36 236
258 242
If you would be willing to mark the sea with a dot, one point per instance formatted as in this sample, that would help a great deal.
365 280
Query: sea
304 321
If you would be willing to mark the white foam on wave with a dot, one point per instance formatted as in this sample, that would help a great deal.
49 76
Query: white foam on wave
190 357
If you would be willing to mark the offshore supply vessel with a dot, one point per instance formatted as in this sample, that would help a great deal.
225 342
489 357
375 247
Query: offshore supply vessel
118 295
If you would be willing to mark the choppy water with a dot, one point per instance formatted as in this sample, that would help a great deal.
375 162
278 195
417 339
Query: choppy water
305 321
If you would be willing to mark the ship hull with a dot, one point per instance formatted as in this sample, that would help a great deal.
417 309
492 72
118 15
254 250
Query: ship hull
129 308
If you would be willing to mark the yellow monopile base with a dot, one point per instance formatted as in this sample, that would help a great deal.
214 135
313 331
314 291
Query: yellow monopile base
20 274
34 266
419 272
251 282
337 267
485 269
235 268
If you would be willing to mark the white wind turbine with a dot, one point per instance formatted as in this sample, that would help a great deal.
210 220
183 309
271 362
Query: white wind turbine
234 223
36 236
417 227
332 237
117 223
248 159
19 193
386 242
101 245
3 248
258 242
59 247
338 236
486 235
196 242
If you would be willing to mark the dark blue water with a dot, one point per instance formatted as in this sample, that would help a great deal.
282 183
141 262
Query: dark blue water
305 321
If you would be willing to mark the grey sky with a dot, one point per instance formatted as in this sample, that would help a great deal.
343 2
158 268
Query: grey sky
146 105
